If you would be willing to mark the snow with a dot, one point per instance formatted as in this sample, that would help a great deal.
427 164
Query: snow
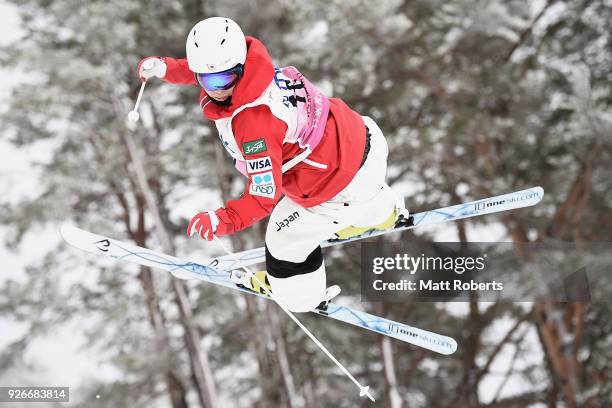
9 21
516 384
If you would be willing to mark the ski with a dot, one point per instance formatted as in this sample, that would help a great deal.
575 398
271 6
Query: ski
101 245
504 202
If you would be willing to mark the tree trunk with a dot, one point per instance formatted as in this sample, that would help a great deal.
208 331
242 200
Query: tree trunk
261 356
198 358
174 384
283 359
200 366
471 349
386 350
176 388
556 340
388 359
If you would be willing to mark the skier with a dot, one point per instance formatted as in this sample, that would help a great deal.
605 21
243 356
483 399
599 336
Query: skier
286 138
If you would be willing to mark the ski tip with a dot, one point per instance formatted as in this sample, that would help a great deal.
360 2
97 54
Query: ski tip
66 230
444 345
452 346
539 191
77 237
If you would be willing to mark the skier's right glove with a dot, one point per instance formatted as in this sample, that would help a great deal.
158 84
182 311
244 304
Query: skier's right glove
149 67
205 224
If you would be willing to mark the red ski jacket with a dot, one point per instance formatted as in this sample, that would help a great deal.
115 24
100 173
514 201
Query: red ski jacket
341 148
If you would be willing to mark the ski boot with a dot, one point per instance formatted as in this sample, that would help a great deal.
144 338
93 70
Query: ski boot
404 220
247 281
400 217
330 293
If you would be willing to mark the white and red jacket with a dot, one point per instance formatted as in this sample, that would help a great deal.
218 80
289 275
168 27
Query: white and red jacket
262 137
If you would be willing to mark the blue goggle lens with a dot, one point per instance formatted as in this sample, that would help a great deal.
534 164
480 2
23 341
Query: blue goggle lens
218 81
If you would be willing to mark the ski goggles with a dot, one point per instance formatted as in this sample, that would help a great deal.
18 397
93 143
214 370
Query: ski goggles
220 81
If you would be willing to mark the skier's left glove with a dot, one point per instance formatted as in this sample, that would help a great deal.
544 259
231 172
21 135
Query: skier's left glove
205 224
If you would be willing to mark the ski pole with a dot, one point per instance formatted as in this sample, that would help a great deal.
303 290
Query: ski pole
363 390
133 116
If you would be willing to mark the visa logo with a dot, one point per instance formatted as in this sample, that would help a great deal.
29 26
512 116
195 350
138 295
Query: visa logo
260 164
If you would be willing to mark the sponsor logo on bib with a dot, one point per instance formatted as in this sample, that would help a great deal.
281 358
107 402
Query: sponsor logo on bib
263 185
254 147
258 165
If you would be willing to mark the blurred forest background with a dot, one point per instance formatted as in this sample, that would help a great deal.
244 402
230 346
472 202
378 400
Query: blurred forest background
476 98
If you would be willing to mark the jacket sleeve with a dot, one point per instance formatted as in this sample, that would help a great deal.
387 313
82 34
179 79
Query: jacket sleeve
259 135
178 72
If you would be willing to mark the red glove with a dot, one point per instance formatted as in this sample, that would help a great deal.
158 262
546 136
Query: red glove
205 224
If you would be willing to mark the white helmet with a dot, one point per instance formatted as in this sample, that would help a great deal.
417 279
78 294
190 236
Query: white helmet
215 44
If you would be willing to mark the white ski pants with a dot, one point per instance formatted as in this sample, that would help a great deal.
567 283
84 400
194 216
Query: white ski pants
296 271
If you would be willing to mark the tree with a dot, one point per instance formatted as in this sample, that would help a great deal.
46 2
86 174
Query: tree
475 99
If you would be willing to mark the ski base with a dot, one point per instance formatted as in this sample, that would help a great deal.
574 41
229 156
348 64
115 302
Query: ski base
101 245
504 202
